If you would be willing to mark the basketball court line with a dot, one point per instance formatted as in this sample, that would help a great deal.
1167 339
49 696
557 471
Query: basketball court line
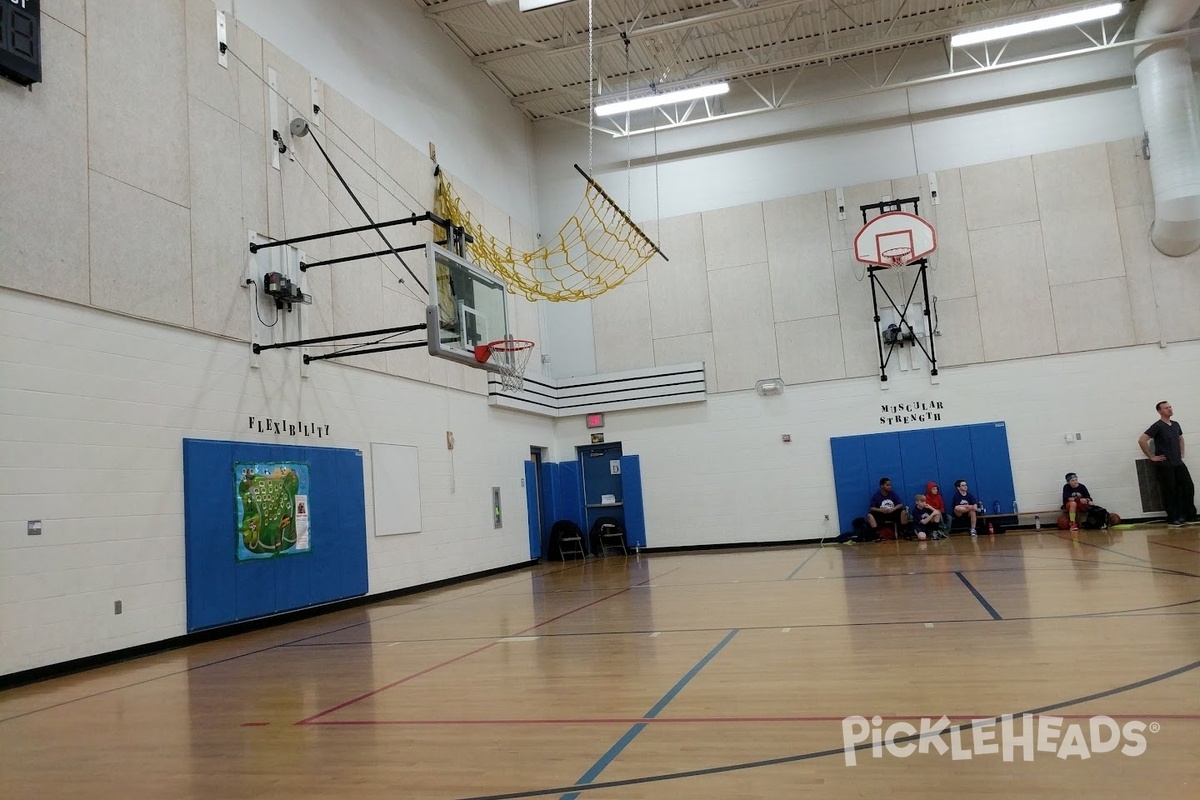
711 720
978 596
802 563
614 751
1176 547
1080 615
488 646
802 626
769 762
301 641
1101 547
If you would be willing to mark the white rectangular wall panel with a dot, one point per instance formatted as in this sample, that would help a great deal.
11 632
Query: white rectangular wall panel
396 486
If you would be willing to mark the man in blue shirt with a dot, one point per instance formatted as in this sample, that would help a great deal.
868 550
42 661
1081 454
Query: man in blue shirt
887 508
964 503
1178 491
1076 499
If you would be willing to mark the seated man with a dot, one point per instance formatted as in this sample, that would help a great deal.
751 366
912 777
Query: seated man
1076 500
887 509
965 504
927 520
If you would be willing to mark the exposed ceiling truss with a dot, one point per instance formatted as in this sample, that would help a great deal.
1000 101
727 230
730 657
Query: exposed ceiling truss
540 59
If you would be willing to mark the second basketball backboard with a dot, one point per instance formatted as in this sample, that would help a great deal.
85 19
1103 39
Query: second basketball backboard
467 306
894 239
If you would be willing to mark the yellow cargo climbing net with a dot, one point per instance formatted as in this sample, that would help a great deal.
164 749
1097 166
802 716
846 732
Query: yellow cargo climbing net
597 249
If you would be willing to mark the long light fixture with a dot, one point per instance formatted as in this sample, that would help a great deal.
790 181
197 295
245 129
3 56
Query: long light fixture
531 5
1036 25
664 99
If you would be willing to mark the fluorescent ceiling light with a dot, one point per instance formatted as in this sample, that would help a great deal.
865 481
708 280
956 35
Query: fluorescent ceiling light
1036 25
667 98
534 5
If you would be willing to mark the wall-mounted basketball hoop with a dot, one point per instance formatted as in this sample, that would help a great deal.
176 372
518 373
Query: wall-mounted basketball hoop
892 237
509 357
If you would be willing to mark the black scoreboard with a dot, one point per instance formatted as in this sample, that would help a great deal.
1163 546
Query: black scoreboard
21 41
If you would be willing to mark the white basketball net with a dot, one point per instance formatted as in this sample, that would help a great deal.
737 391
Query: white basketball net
511 357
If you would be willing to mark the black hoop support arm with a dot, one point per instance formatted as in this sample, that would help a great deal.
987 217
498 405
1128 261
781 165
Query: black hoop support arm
341 337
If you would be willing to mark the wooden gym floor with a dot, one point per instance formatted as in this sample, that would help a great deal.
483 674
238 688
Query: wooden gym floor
715 674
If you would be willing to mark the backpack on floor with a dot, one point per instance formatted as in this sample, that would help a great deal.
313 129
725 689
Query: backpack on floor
862 531
1095 519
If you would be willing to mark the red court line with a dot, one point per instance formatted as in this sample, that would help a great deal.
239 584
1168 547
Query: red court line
707 720
447 662
1176 547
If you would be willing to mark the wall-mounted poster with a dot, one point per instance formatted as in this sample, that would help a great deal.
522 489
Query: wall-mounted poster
272 506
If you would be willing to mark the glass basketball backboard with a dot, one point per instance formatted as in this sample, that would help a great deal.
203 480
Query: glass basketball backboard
468 306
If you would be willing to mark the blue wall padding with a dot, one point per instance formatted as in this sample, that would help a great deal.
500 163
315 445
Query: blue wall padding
850 476
222 590
535 536
635 511
918 454
993 466
977 454
569 495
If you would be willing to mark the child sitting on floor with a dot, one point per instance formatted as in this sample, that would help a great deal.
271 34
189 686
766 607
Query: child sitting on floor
927 520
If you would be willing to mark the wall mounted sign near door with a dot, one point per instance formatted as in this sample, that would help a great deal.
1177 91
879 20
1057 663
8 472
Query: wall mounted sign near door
21 41
595 420
597 438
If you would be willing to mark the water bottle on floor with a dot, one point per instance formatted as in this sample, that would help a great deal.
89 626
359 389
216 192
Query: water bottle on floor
1037 522
996 507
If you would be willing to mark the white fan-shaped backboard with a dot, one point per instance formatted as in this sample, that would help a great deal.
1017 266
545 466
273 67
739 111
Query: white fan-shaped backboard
894 236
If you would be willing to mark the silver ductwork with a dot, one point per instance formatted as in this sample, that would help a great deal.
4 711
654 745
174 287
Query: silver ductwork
1167 94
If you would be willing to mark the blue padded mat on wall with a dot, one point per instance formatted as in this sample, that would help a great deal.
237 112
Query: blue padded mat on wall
976 453
221 588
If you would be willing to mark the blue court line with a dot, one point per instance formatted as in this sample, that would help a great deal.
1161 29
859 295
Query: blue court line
995 614
802 563
632 733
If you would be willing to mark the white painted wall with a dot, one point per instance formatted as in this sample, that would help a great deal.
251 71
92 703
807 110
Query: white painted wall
828 142
132 175
96 406
719 472
388 59
141 165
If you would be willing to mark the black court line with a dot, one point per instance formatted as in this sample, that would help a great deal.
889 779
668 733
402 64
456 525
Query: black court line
795 625
802 563
383 604
1102 547
988 606
771 762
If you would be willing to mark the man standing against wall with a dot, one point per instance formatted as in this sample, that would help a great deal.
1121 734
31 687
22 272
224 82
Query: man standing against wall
1178 491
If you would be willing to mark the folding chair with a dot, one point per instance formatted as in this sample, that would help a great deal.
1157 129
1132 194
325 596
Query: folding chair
569 539
607 532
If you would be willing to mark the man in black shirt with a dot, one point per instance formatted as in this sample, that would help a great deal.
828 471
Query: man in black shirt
1178 491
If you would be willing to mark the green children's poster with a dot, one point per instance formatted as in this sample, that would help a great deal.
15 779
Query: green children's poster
271 500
